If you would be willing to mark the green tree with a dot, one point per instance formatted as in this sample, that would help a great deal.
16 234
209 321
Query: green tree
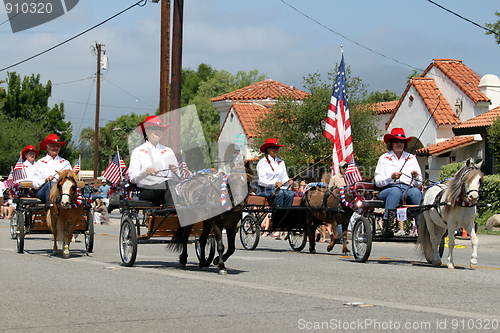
16 134
300 126
28 99
495 27
493 135
27 118
382 96
116 133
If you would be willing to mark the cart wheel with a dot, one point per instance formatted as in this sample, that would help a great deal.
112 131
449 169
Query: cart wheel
362 239
14 221
250 232
209 249
20 233
128 242
89 234
297 239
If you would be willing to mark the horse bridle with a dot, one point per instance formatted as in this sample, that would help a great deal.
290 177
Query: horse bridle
469 191
59 185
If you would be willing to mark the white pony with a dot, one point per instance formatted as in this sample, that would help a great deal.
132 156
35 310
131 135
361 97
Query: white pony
461 193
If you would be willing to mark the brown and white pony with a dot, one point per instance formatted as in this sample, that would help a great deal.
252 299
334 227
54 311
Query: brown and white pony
328 205
65 210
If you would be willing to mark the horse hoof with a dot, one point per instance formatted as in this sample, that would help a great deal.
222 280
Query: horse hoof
222 272
450 266
66 255
473 266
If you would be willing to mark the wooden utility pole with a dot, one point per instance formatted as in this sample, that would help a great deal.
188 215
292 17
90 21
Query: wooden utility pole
165 56
97 104
175 97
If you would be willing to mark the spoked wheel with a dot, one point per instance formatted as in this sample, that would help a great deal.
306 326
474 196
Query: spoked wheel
128 242
89 234
250 232
362 239
20 233
209 249
14 221
297 239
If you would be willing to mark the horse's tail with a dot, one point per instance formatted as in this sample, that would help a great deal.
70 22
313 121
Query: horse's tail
424 245
180 237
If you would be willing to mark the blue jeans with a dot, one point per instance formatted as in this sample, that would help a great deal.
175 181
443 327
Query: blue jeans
281 197
392 195
44 192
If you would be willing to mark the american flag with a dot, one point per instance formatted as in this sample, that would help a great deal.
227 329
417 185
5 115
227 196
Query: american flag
113 172
352 173
9 182
19 172
77 166
183 168
338 123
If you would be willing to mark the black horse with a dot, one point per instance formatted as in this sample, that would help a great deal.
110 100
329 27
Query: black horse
218 200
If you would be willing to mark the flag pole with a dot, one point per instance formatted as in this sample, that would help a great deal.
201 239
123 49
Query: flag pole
119 166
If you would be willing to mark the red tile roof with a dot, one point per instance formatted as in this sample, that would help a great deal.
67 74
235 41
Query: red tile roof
484 120
429 92
462 76
384 107
445 146
263 90
249 114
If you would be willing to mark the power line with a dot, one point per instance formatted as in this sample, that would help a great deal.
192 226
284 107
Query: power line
76 36
137 98
464 18
351 40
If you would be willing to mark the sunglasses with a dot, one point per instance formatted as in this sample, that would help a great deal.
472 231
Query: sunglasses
398 141
274 147
155 128
344 167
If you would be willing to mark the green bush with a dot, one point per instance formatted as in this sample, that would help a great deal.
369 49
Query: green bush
449 170
490 195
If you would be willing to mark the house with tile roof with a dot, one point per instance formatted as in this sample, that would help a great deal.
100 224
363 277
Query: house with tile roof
240 111
447 110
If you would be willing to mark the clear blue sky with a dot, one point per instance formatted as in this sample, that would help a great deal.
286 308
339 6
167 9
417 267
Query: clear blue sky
234 35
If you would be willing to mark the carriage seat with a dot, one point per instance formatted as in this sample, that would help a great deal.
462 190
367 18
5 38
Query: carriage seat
137 203
262 201
29 201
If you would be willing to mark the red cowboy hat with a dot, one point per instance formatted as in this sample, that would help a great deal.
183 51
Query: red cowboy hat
51 138
29 148
397 133
269 143
150 121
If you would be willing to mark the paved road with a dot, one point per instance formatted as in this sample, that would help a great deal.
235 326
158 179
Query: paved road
270 289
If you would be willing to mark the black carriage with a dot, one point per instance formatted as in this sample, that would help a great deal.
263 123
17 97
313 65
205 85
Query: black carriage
30 217
144 223
368 225
288 219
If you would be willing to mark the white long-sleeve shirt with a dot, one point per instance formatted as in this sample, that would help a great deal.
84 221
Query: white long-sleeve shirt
268 177
389 163
149 156
48 166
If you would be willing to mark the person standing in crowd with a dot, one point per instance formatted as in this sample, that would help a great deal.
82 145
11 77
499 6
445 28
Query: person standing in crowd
103 190
154 167
45 174
398 174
